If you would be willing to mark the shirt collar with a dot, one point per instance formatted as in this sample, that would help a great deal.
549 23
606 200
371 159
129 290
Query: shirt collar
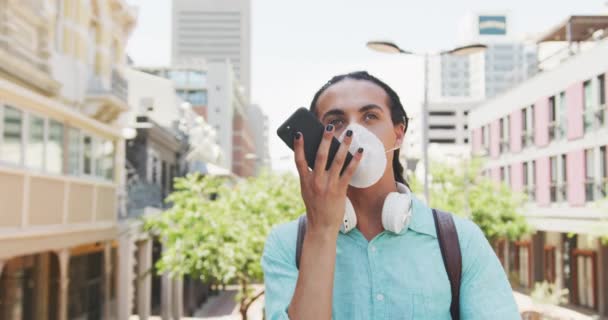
422 216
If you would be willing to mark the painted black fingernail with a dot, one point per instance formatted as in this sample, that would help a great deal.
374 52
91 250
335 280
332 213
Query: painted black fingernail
329 127
298 136
349 133
360 150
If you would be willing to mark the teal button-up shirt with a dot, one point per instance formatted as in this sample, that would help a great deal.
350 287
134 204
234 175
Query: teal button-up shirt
396 276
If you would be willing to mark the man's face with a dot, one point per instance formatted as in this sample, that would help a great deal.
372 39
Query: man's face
362 102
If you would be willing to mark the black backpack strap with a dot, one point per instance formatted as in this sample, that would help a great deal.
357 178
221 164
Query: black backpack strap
300 239
452 258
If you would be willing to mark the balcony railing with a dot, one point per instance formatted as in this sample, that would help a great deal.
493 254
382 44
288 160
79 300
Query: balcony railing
595 118
118 86
530 191
556 131
527 139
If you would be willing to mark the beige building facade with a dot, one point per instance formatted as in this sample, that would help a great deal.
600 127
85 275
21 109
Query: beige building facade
62 92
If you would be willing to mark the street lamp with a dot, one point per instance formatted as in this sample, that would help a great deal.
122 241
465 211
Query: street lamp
390 47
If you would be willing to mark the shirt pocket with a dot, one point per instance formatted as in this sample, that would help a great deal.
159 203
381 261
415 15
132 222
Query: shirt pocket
434 306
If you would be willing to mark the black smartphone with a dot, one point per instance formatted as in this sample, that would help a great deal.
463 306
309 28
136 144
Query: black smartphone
312 129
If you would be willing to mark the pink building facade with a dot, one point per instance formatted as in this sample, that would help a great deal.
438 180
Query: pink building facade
550 134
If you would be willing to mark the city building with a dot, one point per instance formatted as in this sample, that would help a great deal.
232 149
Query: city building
258 122
227 114
223 106
62 92
169 140
189 81
215 31
459 83
548 138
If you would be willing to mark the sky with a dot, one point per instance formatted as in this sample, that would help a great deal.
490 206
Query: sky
298 45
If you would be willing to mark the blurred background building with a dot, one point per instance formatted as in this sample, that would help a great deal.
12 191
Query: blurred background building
548 137
62 93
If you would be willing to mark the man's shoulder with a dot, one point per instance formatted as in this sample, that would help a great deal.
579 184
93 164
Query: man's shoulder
282 237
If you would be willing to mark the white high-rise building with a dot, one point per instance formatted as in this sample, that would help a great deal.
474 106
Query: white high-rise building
459 83
214 31
258 122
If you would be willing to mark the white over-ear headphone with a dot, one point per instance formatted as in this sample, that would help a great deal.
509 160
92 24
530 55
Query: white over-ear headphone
396 211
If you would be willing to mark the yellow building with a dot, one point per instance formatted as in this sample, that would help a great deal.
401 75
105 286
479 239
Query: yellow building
62 93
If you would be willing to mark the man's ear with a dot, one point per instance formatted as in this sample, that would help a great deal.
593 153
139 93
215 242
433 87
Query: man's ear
400 133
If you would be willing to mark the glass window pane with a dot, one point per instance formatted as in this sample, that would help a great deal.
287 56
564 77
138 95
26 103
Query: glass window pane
74 151
197 98
54 148
12 137
179 78
602 89
108 156
35 144
87 154
198 78
104 159
589 163
588 95
98 156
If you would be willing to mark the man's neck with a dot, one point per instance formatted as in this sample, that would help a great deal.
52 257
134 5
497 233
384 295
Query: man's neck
368 204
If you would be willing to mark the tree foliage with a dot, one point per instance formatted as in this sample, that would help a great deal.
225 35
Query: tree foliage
463 190
215 229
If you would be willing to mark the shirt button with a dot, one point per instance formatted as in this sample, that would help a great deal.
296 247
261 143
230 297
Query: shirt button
373 248
379 297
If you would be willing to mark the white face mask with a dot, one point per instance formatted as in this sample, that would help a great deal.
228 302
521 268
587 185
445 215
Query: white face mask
373 163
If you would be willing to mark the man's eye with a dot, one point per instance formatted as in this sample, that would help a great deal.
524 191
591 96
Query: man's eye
337 123
370 116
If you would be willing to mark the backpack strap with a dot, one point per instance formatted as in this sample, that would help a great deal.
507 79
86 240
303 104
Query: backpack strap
452 258
301 233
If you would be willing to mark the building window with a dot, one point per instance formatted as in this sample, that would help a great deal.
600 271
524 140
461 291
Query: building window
197 98
12 136
532 178
35 145
504 134
104 159
54 148
588 106
601 82
549 263
442 113
524 127
553 173
563 187
74 151
600 114
585 275
442 127
604 172
589 175
563 113
445 141
553 123
87 154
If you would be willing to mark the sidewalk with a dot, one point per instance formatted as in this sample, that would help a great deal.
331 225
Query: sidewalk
223 306
525 303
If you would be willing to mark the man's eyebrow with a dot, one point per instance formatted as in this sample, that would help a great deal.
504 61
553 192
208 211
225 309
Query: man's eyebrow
369 107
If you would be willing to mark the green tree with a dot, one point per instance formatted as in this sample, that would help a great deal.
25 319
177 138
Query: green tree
216 228
463 190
